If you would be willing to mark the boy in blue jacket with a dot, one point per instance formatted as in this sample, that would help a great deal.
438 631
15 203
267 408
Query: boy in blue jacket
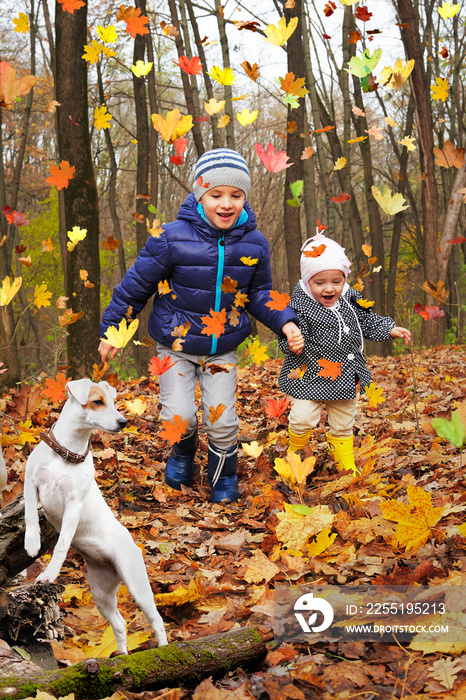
214 260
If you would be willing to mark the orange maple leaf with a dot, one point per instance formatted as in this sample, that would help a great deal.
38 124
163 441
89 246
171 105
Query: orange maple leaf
276 407
449 156
55 390
110 243
61 174
325 128
71 5
159 366
293 86
279 301
173 430
135 23
12 87
329 369
228 285
215 413
215 323
315 251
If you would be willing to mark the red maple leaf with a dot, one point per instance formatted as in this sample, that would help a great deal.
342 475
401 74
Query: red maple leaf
14 217
61 174
55 390
329 369
276 407
279 301
173 430
321 227
329 9
326 36
180 147
343 197
135 23
191 66
315 252
363 14
158 366
71 5
215 323
455 241
274 162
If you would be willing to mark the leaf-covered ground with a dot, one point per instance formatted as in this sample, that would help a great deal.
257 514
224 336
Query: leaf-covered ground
215 567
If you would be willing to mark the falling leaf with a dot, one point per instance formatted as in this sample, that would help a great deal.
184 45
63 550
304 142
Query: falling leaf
173 430
298 372
324 129
71 5
9 289
223 121
363 14
110 243
108 35
415 520
330 369
438 291
388 202
307 153
191 66
224 76
278 301
391 122
365 303
375 131
251 71
246 117
374 394
357 140
102 118
60 175
156 229
173 125
275 408
340 163
315 251
41 295
92 52
47 245
249 25
120 337
168 30
214 324
159 366
453 430
21 23
358 112
355 36
214 106
343 197
135 22
69 317
55 388
408 142
140 68
449 157
249 261
361 67
257 352
52 106
396 77
12 87
440 89
215 413
274 162
293 86
279 35
447 10
75 235
329 8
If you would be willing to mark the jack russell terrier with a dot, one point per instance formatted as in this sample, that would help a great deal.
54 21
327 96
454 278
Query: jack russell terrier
60 474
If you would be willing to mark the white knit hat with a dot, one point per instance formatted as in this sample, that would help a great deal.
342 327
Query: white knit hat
222 166
329 255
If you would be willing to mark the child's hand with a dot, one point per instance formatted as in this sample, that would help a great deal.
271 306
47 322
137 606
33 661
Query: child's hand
399 332
294 337
105 349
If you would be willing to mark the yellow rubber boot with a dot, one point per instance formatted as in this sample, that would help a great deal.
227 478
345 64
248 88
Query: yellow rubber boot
342 452
297 442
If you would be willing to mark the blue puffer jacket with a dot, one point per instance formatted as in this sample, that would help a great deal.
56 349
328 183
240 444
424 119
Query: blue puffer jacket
195 258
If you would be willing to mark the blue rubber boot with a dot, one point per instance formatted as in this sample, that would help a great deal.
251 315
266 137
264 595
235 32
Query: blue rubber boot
180 464
221 472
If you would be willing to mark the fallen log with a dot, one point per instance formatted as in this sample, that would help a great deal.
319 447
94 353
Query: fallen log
13 556
29 613
182 663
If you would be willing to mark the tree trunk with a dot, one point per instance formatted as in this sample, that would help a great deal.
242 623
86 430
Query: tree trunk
227 91
183 663
81 199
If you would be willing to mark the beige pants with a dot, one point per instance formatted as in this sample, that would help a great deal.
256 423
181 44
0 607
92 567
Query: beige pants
305 415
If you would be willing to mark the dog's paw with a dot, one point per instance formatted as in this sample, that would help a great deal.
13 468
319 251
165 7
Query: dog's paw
46 576
32 543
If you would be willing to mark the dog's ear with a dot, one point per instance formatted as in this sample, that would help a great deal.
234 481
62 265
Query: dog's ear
79 389
109 388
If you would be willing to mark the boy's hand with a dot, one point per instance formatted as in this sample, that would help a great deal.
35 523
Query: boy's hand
294 337
399 332
105 349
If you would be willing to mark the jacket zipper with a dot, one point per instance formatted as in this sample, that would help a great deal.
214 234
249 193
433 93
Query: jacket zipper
218 291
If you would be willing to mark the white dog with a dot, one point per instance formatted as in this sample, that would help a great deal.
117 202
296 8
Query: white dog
60 474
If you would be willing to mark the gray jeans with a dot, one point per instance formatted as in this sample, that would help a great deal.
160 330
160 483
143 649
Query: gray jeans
178 393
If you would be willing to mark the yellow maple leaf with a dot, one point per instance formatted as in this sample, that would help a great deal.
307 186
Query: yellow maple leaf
223 121
224 76
360 138
138 406
298 524
163 288
47 245
9 289
408 142
41 295
293 469
448 10
257 352
21 23
374 394
415 520
140 68
253 449
102 118
440 89
119 337
246 117
249 261
240 299
107 34
359 286
322 542
173 126
395 77
340 164
75 235
108 644
156 229
214 106
391 122
279 35
365 303
388 202
92 51
196 590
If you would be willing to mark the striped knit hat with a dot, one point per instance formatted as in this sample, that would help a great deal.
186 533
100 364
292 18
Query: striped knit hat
222 166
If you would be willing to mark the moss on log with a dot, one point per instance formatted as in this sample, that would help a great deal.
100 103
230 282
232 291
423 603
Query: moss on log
183 663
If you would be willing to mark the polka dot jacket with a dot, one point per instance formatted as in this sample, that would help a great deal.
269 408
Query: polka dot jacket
336 335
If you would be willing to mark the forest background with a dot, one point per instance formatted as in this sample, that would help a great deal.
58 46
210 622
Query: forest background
351 116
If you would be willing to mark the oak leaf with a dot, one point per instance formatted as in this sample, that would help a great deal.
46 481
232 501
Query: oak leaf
307 153
214 324
60 175
173 430
330 369
223 121
415 520
234 316
278 301
173 125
